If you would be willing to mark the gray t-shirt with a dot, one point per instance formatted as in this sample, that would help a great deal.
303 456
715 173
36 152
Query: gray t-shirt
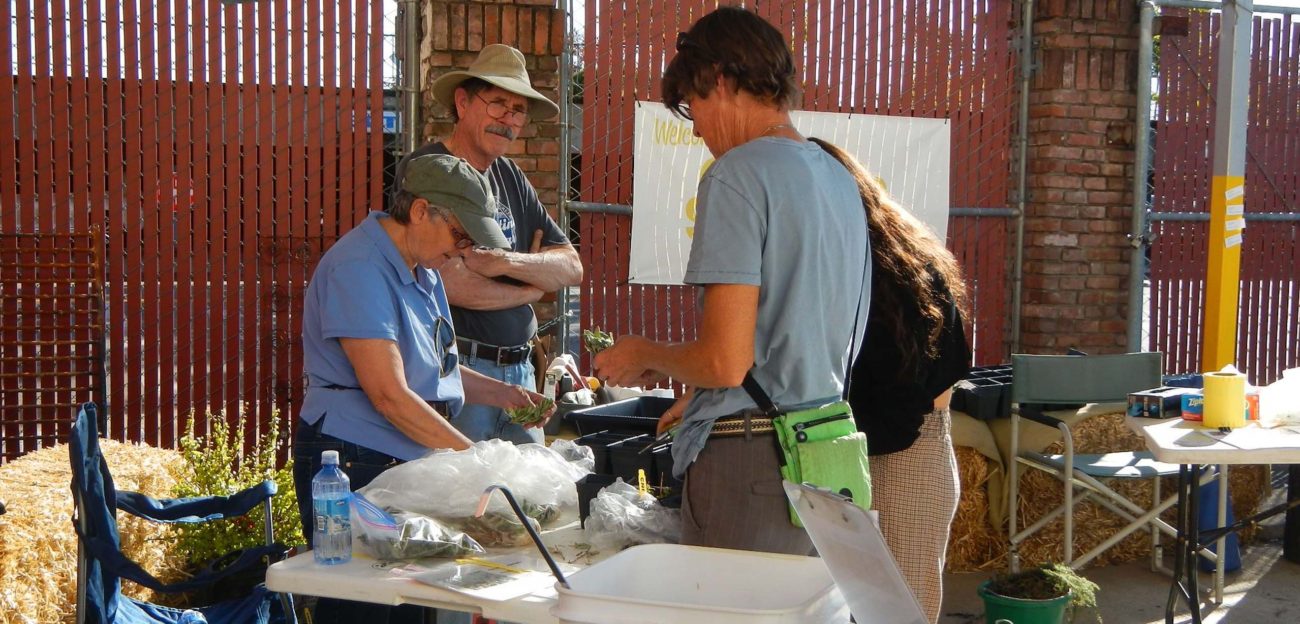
519 213
784 216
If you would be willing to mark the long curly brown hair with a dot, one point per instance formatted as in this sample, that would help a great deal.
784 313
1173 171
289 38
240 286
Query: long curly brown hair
906 257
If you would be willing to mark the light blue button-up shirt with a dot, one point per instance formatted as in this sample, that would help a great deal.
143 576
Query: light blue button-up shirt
363 289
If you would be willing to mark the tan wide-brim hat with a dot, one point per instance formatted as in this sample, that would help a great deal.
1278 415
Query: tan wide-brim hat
500 65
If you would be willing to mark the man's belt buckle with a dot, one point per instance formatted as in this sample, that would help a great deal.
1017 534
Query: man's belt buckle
509 352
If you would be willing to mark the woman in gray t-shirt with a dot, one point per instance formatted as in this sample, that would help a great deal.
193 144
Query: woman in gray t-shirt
779 252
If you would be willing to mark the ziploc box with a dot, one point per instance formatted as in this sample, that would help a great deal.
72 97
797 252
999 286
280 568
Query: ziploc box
1193 406
1162 402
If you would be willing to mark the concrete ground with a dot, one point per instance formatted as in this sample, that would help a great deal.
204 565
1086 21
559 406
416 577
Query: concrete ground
1265 590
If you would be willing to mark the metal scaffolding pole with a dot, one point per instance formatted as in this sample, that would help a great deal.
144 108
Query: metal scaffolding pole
1227 187
1022 156
409 54
1138 237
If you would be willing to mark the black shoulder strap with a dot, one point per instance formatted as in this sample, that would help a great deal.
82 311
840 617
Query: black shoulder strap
755 392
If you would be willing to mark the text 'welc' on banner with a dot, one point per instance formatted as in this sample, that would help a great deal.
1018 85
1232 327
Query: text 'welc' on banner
908 154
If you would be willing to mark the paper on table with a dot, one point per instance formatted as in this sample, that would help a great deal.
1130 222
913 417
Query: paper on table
497 577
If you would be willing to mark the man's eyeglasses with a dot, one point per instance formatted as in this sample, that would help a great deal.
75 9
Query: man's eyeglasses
446 337
498 110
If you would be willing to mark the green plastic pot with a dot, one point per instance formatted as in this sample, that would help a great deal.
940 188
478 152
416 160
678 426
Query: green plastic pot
999 609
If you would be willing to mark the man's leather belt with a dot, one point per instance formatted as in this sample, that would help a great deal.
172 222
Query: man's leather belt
502 356
735 426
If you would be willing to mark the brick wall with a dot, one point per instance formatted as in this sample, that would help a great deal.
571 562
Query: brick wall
1081 127
453 34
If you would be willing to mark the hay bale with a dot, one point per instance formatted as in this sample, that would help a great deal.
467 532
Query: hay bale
38 547
972 543
1041 492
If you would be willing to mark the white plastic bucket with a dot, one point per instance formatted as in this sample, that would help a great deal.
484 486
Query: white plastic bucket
657 583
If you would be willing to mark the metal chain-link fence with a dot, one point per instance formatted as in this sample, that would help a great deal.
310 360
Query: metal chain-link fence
1183 112
220 148
953 60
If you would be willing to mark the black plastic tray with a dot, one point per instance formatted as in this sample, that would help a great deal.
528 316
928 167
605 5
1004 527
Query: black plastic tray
636 415
626 458
599 442
664 468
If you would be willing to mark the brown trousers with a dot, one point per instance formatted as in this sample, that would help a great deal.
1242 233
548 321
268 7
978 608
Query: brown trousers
733 498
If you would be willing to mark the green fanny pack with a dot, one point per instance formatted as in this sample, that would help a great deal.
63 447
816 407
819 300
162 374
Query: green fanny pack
820 446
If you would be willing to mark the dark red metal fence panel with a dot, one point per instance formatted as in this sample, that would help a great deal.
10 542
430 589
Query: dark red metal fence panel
950 59
51 324
1269 304
220 148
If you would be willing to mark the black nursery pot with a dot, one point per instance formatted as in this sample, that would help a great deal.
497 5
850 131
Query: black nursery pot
588 487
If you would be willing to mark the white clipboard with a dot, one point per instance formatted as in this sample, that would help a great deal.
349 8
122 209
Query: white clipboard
850 543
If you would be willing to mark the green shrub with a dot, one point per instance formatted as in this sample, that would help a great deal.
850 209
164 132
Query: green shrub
218 465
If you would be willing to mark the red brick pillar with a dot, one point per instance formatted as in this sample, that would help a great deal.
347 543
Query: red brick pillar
1080 161
454 32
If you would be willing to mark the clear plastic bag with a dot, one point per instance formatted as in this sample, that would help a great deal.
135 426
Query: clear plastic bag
578 454
447 485
401 535
623 516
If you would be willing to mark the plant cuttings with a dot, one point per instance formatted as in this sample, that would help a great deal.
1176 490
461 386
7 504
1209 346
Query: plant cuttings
597 340
531 414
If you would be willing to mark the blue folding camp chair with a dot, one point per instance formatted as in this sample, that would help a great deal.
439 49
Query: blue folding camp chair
101 564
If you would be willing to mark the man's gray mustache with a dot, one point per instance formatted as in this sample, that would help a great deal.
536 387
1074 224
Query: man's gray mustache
502 131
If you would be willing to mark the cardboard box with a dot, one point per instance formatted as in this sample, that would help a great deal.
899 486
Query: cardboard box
1193 406
1162 402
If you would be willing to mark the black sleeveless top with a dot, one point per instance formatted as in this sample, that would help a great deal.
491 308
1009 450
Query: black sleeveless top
890 404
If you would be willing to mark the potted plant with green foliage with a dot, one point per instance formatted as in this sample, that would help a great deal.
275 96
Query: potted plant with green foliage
226 460
1041 595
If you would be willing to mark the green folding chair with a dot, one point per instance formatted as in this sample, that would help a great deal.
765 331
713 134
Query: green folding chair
1041 381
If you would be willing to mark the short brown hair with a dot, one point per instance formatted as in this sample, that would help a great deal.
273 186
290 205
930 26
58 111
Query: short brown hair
735 43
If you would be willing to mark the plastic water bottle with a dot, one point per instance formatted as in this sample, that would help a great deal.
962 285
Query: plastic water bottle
331 497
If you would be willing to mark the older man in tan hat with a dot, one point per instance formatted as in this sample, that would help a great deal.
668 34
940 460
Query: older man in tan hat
491 289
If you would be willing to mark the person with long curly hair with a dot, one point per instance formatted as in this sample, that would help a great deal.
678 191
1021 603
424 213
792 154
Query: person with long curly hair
915 349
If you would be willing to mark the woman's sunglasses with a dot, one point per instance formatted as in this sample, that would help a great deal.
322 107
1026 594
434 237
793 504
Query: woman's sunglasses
446 337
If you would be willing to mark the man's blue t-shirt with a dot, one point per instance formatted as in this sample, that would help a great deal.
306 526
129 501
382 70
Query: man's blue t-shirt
363 289
787 217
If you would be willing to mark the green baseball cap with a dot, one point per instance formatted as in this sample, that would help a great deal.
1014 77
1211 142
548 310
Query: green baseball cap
450 182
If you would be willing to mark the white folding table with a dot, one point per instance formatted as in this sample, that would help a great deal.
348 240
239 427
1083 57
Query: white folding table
1192 446
367 580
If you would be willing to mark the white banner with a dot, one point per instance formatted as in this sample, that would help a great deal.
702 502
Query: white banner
908 154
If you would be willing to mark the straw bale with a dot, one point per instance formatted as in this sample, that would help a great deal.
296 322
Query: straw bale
972 543
1041 492
38 547
975 545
